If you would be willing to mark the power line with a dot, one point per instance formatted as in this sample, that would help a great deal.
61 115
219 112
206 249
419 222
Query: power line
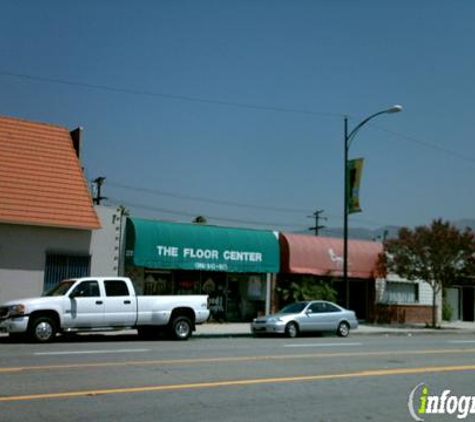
427 144
164 95
205 199
229 104
208 200
221 103
117 201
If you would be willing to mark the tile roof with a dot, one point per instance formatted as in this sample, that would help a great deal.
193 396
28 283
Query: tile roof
41 180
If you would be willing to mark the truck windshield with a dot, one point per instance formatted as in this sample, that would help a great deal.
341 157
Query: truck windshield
60 289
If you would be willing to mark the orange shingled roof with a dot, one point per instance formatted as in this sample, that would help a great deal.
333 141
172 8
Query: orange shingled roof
41 180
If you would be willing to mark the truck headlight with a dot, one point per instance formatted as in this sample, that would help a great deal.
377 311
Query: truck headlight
17 310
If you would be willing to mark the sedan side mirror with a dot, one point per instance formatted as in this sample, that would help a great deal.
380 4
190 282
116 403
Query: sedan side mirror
309 311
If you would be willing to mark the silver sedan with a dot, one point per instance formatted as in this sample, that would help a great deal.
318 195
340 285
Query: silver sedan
312 316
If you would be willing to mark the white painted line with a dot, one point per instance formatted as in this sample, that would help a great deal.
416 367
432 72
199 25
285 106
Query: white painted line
323 345
461 341
91 352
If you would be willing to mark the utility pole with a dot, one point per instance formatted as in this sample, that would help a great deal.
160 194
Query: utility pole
317 217
98 198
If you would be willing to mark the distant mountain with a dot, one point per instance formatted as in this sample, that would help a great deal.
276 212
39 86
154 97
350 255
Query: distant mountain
387 232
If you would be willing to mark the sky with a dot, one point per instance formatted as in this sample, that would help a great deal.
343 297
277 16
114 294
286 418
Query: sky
234 109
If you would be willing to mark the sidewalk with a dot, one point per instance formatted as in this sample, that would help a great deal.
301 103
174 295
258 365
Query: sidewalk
243 329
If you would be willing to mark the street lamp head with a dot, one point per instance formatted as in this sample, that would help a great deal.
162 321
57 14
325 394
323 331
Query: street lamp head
394 109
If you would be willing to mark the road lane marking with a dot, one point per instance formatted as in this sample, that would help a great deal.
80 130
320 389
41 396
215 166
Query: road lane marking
242 382
461 341
91 352
237 359
233 359
323 345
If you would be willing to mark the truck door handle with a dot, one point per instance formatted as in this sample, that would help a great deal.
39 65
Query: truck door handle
127 302
99 302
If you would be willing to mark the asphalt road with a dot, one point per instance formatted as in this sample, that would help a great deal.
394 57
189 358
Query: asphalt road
119 378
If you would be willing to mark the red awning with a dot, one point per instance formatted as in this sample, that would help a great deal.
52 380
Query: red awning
303 254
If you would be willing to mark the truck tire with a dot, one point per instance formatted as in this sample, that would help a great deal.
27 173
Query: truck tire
181 328
42 330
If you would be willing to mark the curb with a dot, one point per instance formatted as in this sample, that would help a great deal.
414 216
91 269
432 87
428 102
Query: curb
395 332
408 332
352 334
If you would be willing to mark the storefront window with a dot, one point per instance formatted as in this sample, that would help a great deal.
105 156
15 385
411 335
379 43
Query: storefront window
157 283
214 284
232 296
246 296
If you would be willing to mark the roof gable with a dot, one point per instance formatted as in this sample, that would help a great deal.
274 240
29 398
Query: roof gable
41 180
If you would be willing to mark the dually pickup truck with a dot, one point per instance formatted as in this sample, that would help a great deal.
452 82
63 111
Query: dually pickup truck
101 304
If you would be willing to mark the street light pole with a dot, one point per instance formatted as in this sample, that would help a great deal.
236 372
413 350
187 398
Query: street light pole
345 221
348 139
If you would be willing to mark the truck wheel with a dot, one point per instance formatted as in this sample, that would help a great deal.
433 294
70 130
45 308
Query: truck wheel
181 328
42 330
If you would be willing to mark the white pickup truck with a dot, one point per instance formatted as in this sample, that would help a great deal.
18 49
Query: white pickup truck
100 304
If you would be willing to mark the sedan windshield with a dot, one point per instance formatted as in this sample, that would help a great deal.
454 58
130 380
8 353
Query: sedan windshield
60 289
294 308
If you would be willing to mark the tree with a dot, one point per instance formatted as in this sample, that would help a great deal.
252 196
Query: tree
440 255
307 289
200 220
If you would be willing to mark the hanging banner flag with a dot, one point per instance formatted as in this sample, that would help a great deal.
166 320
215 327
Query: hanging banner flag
355 168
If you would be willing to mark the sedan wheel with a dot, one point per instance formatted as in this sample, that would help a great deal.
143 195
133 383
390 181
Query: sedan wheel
343 329
292 330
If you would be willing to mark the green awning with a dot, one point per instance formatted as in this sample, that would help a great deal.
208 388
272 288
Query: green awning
158 244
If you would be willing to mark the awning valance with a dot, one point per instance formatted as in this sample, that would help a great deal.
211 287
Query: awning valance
303 254
158 244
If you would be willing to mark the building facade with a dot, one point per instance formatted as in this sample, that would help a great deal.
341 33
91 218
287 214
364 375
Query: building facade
322 258
47 221
233 266
402 301
50 230
459 302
